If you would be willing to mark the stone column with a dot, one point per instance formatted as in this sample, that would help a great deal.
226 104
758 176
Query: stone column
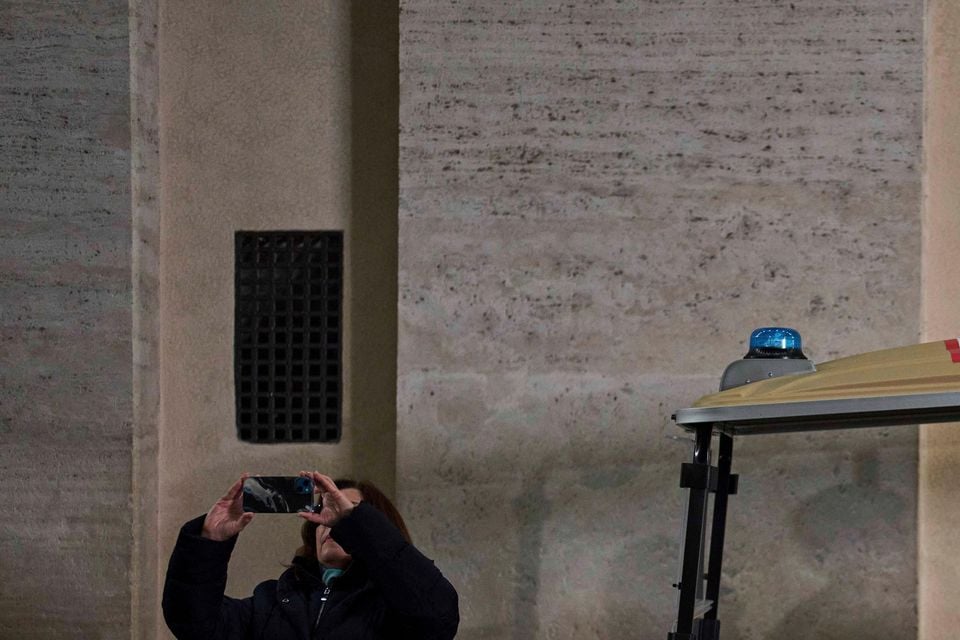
272 116
939 504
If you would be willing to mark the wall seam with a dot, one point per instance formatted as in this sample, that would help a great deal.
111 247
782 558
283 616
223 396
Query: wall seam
145 211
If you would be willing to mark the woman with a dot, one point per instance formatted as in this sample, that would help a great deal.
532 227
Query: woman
356 576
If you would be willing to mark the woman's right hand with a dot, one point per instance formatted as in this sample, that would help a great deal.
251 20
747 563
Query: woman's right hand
226 518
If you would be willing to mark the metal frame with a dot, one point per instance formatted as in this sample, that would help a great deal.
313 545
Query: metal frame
820 415
697 617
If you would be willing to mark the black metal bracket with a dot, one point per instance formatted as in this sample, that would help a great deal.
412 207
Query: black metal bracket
701 478
707 629
734 485
698 476
703 630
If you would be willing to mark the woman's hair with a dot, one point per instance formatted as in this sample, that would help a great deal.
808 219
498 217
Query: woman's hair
372 496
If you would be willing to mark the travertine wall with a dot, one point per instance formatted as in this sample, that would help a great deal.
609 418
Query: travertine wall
598 202
65 336
145 268
938 513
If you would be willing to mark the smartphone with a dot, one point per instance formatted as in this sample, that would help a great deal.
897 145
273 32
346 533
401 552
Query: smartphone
277 494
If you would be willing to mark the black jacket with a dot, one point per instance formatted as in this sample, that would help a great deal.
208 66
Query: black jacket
391 590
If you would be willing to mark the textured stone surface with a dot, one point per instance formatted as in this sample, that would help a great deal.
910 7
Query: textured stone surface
598 201
145 267
65 379
938 512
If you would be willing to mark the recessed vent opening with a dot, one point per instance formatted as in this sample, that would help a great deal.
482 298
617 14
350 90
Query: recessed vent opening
288 336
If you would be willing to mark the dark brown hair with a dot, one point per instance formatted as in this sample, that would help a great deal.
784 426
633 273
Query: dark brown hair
372 496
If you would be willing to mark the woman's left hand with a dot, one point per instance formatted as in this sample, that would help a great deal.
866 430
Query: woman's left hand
336 506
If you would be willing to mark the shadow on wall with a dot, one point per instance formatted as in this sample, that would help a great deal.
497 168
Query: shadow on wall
532 509
372 237
860 517
575 572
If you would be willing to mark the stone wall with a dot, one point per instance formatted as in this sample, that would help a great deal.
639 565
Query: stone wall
65 296
598 202
938 512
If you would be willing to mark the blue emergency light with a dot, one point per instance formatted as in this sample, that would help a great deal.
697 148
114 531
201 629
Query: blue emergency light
775 342
774 352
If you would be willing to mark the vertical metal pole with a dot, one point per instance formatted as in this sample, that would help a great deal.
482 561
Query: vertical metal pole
690 575
724 459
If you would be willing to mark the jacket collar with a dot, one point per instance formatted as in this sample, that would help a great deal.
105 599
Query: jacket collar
306 573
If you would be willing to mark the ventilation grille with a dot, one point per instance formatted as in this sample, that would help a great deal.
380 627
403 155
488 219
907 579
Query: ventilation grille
287 346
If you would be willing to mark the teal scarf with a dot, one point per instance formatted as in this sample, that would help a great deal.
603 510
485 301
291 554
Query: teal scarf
329 575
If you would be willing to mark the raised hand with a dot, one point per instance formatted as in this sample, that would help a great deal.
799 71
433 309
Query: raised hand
335 504
226 517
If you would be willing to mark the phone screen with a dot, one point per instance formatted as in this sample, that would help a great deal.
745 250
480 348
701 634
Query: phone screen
277 494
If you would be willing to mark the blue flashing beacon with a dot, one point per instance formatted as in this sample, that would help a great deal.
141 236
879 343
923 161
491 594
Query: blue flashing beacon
775 342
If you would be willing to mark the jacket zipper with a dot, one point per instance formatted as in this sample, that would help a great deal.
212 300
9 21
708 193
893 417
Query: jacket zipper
323 604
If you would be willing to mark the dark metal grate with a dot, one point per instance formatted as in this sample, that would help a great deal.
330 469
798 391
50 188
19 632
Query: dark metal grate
287 346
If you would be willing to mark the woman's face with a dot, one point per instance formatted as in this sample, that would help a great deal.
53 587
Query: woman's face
329 553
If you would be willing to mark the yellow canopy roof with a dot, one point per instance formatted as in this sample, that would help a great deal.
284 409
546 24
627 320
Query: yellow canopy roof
932 367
